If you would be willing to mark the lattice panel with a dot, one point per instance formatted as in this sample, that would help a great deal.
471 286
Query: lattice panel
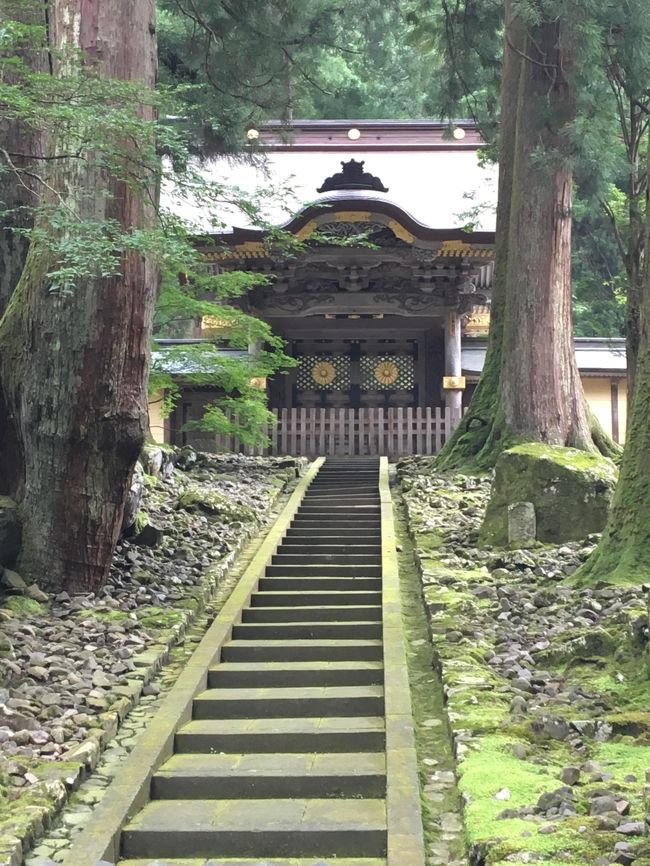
323 373
387 373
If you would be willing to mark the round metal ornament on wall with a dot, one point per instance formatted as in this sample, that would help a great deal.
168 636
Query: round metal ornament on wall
323 372
386 373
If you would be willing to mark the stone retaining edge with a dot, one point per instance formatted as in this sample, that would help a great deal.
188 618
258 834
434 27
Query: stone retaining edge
461 738
403 803
129 791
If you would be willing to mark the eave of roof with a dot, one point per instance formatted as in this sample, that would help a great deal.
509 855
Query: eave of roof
355 202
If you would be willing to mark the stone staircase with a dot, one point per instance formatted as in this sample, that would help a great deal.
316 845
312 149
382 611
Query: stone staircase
284 759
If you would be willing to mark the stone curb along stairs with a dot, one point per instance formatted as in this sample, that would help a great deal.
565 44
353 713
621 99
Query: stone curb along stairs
288 738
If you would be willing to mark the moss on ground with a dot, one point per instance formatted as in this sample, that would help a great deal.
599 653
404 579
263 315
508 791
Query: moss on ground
209 500
23 606
104 615
160 618
493 768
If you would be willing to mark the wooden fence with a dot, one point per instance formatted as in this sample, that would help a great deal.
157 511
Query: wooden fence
394 432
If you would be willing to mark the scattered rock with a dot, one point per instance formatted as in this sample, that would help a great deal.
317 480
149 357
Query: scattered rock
12 581
632 828
149 536
570 775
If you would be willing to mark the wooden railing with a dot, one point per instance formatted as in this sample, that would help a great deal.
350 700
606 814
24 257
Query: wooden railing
393 432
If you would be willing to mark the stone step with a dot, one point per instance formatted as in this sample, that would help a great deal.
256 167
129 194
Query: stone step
302 613
302 650
349 533
366 473
342 517
345 488
322 570
293 861
335 491
319 558
336 524
262 736
302 546
257 828
306 630
318 598
289 703
238 675
286 775
355 504
317 583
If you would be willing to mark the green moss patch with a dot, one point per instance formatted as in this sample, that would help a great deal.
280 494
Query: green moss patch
23 606
213 502
158 618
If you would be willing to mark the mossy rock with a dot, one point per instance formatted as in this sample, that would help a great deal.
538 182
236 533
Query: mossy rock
213 502
571 491
592 643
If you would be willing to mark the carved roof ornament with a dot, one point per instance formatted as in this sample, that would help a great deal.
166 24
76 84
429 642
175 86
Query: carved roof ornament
352 177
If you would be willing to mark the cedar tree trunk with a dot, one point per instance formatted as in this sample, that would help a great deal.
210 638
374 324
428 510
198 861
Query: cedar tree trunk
74 365
476 427
623 553
530 389
20 147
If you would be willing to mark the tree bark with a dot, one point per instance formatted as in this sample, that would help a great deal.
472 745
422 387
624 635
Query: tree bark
530 389
74 365
20 147
634 266
623 553
470 437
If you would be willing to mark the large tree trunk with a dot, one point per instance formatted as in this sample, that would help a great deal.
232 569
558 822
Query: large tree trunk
21 146
541 392
476 428
74 365
623 553
531 388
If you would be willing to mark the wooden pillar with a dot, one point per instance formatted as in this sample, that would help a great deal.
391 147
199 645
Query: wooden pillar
453 365
614 402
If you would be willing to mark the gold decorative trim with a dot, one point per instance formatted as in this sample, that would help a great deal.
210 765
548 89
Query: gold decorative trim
461 249
307 230
350 216
399 231
249 249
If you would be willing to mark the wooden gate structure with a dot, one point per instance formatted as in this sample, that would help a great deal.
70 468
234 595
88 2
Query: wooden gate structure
393 432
